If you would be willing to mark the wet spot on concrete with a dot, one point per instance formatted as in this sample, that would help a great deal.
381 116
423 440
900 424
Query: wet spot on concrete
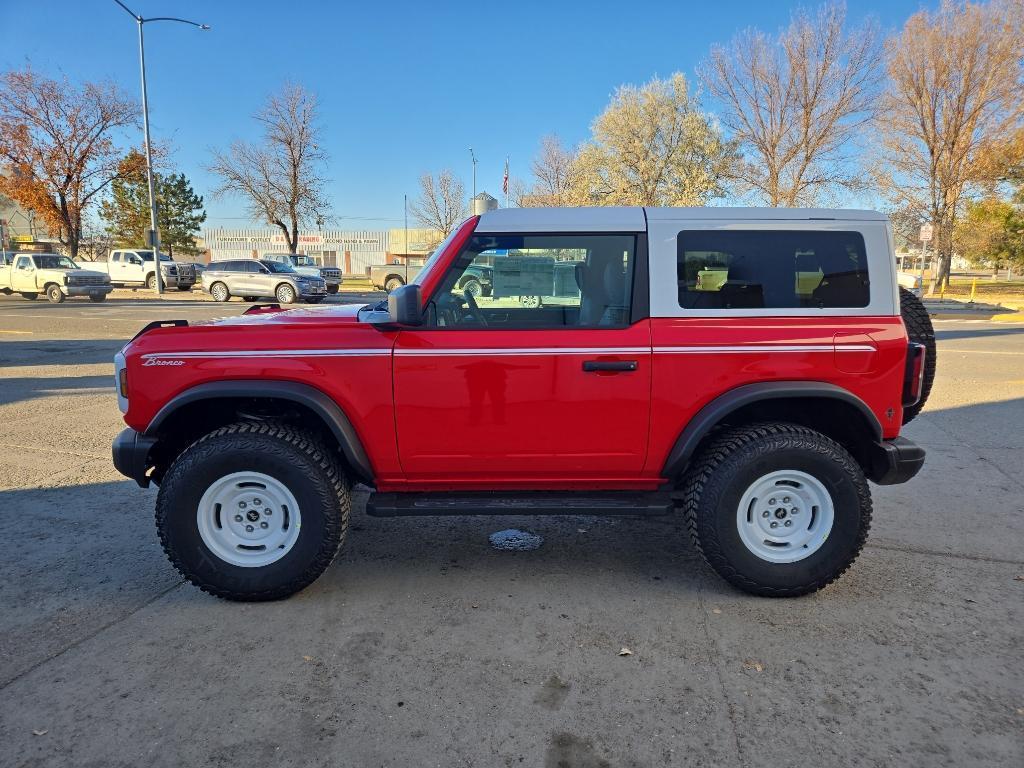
514 540
553 693
569 751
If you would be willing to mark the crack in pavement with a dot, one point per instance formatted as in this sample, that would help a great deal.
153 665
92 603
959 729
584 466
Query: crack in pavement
937 553
99 630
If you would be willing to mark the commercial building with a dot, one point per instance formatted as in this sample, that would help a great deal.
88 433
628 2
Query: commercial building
354 252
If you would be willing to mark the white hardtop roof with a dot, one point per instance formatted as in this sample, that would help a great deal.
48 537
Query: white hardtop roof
634 219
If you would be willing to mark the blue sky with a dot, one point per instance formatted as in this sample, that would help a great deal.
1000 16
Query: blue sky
405 87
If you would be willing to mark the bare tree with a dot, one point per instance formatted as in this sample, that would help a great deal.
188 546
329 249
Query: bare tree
442 202
552 172
795 101
651 146
57 147
280 177
954 102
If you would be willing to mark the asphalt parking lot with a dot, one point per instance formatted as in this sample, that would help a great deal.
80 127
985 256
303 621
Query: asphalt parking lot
423 645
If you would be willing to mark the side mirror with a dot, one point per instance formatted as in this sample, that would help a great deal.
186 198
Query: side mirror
405 305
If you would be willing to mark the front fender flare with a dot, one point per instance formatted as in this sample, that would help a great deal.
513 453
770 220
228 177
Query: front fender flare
319 403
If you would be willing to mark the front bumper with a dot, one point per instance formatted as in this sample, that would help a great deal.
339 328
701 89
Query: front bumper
86 290
131 455
895 461
318 289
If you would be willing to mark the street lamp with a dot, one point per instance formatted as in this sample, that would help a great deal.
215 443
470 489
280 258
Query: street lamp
155 236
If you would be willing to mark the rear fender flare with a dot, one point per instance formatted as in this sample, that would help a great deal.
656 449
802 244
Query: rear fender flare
718 409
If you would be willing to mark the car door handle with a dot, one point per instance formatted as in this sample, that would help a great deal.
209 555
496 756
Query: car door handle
609 365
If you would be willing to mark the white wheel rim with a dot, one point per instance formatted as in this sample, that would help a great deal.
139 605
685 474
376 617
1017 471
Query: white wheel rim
219 291
248 519
285 294
785 516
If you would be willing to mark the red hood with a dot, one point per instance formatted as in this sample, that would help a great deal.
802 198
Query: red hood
334 314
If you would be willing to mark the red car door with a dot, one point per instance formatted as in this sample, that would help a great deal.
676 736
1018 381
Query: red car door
528 391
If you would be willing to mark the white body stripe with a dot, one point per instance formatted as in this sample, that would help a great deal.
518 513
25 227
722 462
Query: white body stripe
517 351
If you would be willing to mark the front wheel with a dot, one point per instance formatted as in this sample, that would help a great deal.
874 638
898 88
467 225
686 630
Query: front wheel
97 297
54 294
777 509
392 284
332 288
253 511
151 281
473 288
220 292
285 294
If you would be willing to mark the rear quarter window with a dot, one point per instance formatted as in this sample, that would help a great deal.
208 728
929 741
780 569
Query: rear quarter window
771 269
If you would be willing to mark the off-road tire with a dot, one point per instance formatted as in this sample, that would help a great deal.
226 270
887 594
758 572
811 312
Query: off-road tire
29 296
920 330
292 456
285 294
54 294
219 292
393 283
732 461
473 287
97 297
333 288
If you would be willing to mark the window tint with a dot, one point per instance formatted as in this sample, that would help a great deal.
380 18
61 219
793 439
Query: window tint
771 269
538 281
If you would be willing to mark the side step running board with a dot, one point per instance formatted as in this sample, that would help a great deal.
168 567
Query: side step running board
519 503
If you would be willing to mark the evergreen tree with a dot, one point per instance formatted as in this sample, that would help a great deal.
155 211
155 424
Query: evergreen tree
180 210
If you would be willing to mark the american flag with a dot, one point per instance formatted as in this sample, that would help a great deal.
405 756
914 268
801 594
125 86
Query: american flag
504 183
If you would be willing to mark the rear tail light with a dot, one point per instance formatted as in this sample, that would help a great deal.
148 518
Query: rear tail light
913 376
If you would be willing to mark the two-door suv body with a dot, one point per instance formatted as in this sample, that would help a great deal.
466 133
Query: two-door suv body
748 369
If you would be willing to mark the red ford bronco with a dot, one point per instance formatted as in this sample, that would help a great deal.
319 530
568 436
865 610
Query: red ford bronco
749 369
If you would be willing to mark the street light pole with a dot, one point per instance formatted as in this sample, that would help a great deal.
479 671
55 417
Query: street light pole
474 171
155 231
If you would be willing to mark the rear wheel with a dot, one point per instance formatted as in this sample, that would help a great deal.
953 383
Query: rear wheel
184 287
393 283
30 296
220 292
285 293
54 294
777 509
253 511
920 330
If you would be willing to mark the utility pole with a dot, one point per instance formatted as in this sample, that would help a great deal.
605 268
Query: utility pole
474 171
154 236
405 205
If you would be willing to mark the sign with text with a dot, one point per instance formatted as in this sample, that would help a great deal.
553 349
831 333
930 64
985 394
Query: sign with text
927 230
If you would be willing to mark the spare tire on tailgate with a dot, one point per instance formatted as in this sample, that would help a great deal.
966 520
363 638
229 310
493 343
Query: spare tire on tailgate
920 330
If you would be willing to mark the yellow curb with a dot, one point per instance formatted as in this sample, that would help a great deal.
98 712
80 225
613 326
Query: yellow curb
1008 317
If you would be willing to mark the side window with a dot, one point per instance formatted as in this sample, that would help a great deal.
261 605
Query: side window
771 269
116 258
252 266
24 262
538 281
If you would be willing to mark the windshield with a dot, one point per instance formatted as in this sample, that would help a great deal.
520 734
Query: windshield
54 261
277 266
304 261
148 256
432 261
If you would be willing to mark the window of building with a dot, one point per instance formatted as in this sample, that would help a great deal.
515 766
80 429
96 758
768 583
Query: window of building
771 269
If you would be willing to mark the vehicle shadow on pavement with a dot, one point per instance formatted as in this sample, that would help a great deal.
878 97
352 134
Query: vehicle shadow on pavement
59 352
950 334
16 390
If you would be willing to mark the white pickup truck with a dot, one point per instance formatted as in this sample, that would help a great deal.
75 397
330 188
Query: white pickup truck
134 267
57 276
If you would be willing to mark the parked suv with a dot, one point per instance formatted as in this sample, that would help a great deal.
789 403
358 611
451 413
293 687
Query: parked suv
261 278
306 265
748 370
